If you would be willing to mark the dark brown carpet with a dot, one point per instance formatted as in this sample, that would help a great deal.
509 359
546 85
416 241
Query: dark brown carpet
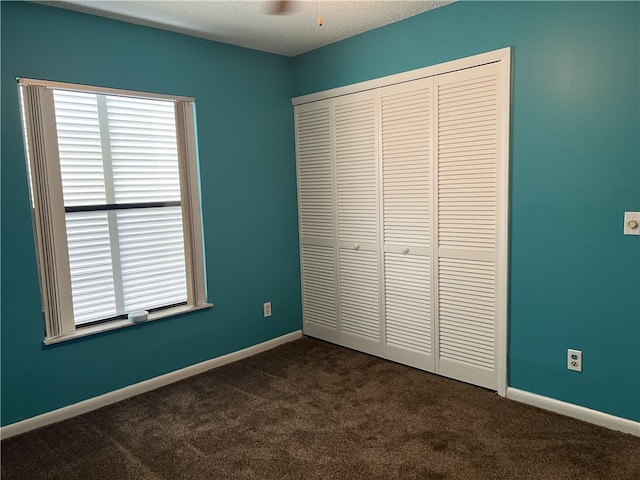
311 410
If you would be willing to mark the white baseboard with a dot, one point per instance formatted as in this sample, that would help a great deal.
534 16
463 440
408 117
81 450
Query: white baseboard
138 388
576 411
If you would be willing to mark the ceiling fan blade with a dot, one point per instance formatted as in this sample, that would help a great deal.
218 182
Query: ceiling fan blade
280 7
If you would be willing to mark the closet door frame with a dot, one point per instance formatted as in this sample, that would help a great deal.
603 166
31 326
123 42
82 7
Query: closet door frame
503 58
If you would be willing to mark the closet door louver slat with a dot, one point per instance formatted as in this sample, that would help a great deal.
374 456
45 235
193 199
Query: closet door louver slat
355 144
318 278
467 167
467 310
356 162
407 112
467 188
359 292
315 175
316 216
408 309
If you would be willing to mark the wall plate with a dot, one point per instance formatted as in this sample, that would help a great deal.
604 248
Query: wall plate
632 223
574 360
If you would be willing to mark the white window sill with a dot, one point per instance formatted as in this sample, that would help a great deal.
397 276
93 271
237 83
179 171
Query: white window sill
116 324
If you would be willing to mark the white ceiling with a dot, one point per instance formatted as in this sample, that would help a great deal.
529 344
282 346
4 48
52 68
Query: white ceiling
252 24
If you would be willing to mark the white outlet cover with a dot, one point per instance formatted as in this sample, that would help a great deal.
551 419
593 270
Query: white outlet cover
574 360
629 219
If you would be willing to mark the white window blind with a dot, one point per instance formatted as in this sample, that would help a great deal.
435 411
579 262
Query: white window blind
118 172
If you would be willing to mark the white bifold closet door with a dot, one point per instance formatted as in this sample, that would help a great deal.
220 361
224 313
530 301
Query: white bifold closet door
356 160
407 190
314 149
402 194
467 191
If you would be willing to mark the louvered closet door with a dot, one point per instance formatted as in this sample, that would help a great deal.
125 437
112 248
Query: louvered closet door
407 143
316 219
467 186
355 118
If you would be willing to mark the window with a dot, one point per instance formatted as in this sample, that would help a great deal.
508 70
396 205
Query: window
115 196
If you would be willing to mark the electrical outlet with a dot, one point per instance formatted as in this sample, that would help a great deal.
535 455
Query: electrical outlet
574 360
267 309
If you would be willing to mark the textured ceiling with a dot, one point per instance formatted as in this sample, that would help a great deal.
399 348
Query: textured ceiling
252 24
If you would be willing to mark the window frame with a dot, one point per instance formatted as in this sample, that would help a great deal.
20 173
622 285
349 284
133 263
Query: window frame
41 150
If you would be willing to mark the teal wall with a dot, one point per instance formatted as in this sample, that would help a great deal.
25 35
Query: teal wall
247 164
575 168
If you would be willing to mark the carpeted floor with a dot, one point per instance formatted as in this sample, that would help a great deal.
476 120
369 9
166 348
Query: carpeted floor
311 410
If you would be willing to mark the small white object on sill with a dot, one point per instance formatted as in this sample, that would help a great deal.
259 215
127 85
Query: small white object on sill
139 316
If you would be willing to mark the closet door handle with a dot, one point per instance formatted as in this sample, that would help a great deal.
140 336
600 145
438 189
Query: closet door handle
405 250
356 246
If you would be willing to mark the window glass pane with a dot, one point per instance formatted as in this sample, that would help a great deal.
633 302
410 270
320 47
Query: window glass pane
91 268
80 148
117 149
144 154
152 257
